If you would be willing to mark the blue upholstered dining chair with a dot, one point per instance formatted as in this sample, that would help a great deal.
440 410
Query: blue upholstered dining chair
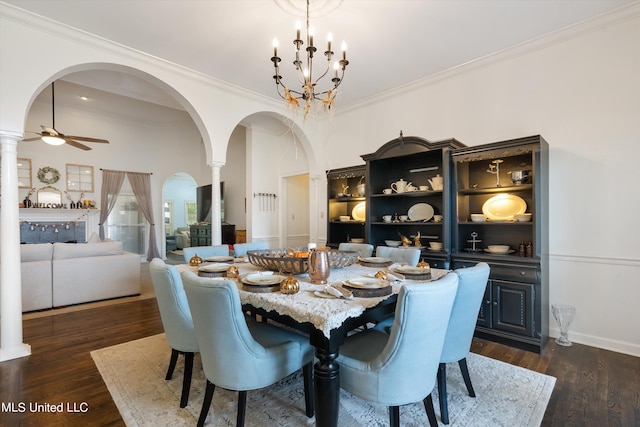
462 324
400 367
237 352
409 255
176 320
240 249
364 249
205 251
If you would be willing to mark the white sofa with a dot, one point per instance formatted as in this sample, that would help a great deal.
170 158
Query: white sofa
62 274
36 276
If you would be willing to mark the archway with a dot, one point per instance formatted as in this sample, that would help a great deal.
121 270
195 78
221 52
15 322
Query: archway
264 151
179 211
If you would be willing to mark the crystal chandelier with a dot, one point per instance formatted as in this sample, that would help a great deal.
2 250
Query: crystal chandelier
310 88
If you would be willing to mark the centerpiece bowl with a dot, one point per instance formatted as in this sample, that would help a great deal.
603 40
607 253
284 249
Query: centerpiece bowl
280 260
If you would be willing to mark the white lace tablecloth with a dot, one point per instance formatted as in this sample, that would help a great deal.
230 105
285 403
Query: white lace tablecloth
324 314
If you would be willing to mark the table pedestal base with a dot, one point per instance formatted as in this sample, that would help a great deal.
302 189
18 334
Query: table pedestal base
327 388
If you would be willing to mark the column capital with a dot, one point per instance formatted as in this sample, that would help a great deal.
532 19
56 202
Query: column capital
10 137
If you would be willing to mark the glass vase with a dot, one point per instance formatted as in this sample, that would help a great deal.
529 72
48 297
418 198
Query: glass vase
564 315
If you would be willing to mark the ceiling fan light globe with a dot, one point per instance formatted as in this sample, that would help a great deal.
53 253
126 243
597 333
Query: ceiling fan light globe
53 140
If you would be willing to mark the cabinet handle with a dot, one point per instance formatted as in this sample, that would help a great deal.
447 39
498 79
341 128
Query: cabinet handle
487 302
495 303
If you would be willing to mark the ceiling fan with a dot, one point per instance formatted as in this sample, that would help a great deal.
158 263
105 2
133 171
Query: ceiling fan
51 136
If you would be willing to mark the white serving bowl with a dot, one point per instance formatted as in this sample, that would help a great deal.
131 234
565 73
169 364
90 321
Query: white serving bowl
498 248
477 218
392 243
525 217
345 218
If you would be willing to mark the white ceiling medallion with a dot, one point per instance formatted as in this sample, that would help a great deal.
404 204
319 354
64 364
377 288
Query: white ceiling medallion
317 8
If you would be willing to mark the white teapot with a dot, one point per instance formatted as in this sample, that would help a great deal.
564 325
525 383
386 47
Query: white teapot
437 183
400 186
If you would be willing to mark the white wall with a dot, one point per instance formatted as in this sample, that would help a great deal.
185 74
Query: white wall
234 175
273 153
581 91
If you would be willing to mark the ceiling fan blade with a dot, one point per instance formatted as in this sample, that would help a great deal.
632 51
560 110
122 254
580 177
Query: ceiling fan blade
49 130
32 139
73 143
87 139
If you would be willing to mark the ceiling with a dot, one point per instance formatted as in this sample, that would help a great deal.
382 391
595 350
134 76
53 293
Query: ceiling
390 42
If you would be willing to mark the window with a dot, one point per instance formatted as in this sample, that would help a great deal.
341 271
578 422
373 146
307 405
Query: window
80 178
168 217
126 223
24 173
191 212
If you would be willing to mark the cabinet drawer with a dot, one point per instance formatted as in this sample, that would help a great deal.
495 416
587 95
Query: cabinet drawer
514 273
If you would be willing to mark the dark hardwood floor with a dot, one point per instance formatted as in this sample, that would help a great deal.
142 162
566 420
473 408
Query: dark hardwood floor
594 387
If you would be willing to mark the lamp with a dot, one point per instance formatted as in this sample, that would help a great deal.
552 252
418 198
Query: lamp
51 138
310 91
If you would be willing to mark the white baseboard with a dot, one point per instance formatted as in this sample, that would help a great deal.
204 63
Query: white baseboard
603 343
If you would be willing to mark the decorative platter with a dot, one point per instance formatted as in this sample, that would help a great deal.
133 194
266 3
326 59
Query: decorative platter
258 279
368 287
366 283
420 212
411 272
503 207
261 283
221 258
214 268
375 260
359 212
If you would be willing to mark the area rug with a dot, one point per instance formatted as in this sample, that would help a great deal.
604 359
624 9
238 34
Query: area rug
134 374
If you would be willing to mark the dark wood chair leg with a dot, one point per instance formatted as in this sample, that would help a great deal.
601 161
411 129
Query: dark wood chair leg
465 375
307 373
186 379
242 407
442 392
172 363
431 413
394 416
206 403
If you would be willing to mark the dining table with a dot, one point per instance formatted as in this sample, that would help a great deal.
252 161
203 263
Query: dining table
326 320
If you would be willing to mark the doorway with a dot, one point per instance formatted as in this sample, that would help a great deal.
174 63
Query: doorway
296 219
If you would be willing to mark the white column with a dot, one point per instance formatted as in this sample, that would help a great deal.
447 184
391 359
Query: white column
216 219
11 345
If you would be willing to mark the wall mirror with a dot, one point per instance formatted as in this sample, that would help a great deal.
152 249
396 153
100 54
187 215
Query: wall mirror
24 173
49 195
80 178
